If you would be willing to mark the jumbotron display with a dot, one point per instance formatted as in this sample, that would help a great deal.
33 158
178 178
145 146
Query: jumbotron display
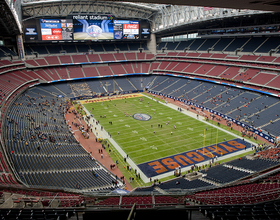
105 29
56 29
82 28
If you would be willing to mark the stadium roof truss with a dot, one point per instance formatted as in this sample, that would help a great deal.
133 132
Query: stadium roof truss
74 7
162 17
169 16
9 20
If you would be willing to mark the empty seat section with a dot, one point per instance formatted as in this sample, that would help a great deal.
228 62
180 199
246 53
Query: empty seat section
117 68
41 62
28 51
52 60
93 57
65 59
248 57
271 43
122 47
180 66
107 57
196 44
141 56
39 49
163 65
203 69
253 44
275 82
83 48
183 45
119 56
109 47
90 71
266 59
209 43
43 74
134 46
262 78
130 56
104 70
54 49
237 43
97 47
216 70
75 72
32 62
222 43
62 72
71 48
230 72
192 67
161 45
79 58
171 45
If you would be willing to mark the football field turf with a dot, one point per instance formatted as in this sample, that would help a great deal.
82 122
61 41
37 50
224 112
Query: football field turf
146 141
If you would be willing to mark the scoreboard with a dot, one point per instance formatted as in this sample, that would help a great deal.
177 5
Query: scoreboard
83 28
56 29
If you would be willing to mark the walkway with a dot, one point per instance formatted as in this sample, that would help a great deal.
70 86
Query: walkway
91 146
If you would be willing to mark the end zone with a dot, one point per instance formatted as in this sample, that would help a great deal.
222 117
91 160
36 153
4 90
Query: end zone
192 157
110 98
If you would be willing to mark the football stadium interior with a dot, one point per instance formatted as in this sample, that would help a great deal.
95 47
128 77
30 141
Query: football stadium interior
139 110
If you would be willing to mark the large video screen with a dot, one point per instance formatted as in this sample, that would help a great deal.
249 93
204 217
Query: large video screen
74 29
105 29
56 29
93 30
126 29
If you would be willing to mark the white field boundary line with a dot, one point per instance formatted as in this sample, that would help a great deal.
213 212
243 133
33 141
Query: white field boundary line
104 135
145 179
193 115
157 137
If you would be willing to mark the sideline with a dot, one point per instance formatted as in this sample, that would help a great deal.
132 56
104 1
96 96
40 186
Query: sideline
91 146
104 135
193 115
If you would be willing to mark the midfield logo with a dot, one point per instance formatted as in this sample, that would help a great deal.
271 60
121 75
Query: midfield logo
141 117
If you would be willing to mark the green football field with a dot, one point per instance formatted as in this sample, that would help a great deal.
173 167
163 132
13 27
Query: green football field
144 141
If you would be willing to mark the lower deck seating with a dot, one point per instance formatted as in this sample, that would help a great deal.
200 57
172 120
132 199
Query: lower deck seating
243 194
142 202
254 165
182 183
47 214
43 150
267 210
221 174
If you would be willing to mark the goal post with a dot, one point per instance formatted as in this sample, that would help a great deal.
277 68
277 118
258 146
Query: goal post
205 151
